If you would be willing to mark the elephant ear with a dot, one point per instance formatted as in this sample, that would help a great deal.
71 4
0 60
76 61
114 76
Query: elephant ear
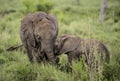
31 35
69 43
52 18
27 29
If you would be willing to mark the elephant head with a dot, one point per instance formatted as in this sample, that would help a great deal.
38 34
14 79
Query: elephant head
39 34
66 43
45 33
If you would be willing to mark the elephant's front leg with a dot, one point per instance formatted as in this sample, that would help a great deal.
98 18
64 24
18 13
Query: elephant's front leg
38 55
29 51
69 63
57 59
69 60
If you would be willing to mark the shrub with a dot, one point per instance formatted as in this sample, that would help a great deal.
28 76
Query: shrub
37 5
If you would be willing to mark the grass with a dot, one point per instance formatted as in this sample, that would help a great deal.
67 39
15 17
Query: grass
80 20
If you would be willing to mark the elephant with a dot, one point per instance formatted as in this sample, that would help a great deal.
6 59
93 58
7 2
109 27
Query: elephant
74 47
38 33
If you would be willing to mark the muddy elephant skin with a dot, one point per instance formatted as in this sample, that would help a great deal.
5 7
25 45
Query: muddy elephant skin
75 47
38 33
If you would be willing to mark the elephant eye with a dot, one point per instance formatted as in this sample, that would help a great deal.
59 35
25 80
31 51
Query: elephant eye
47 18
56 46
40 19
38 37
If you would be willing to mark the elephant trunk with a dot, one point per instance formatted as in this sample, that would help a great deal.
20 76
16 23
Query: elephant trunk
47 48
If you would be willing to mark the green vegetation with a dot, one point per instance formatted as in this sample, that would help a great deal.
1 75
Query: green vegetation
81 20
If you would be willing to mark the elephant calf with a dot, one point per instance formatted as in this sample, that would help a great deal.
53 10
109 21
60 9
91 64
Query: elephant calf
74 47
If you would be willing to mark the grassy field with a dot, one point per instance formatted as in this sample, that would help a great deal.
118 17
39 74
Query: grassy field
78 19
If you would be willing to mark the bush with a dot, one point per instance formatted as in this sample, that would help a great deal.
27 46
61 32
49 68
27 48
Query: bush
37 5
44 6
112 72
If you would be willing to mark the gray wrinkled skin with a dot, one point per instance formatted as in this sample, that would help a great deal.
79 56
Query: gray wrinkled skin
75 47
38 33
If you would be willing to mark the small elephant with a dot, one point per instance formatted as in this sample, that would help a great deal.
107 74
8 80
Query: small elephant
38 33
75 47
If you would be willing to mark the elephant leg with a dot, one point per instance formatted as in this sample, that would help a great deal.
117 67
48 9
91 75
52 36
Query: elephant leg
69 60
69 63
29 52
57 60
38 55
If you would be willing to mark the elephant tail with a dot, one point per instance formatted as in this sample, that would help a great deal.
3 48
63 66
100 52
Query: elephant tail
107 58
12 48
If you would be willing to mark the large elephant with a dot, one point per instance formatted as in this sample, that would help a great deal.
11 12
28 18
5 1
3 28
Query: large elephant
75 47
38 33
